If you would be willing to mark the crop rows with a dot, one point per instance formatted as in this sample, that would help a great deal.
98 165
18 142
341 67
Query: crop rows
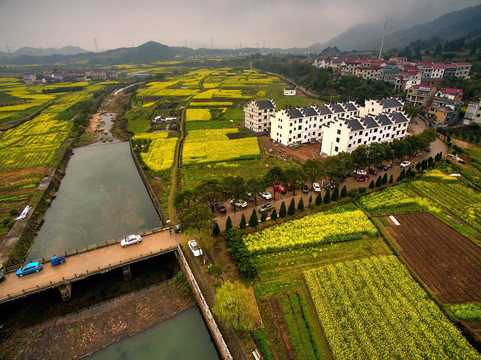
160 155
197 115
372 309
317 229
454 197
213 145
390 199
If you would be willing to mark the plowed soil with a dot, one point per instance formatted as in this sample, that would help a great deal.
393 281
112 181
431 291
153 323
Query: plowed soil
447 262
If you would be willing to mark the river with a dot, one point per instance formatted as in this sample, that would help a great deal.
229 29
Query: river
185 336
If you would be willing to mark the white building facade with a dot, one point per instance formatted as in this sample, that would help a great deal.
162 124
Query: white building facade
257 115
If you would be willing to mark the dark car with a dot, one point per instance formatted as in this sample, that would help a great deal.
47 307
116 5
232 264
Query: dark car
373 171
381 167
305 189
331 186
220 207
177 228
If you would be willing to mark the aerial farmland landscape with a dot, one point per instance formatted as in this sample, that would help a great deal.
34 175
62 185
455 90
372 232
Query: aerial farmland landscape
261 192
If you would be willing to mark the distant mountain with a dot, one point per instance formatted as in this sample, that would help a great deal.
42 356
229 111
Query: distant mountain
29 51
453 25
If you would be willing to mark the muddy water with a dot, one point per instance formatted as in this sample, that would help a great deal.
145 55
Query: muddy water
185 336
101 197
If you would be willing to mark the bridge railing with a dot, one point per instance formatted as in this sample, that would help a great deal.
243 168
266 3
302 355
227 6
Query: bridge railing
79 276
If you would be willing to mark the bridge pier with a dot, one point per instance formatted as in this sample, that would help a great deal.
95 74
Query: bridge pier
65 291
127 273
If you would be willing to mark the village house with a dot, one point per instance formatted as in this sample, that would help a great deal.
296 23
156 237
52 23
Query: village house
473 113
384 106
290 92
421 96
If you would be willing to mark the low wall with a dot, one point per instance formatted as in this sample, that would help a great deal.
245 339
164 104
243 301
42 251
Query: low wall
209 319
153 197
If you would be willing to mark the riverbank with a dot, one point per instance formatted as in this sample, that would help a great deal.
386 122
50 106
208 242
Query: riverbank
81 333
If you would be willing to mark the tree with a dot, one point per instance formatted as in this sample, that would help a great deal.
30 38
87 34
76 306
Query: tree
292 208
335 194
310 201
255 186
327 197
371 184
216 230
274 215
312 169
282 210
332 167
293 176
384 179
243 222
391 179
360 157
228 224
210 191
253 221
235 188
236 306
275 176
300 205
318 199
410 110
183 199
264 216
196 216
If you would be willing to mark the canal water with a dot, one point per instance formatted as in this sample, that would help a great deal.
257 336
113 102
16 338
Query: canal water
101 197
185 336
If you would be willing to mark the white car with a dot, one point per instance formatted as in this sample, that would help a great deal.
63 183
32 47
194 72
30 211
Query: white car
316 187
131 239
266 195
239 203
196 250
359 172
404 164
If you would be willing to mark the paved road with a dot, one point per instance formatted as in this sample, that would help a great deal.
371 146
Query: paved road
88 262
350 183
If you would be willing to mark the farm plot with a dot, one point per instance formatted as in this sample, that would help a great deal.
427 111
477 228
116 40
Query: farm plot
372 309
160 150
447 262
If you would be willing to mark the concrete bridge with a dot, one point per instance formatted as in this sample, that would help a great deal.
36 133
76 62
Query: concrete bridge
85 263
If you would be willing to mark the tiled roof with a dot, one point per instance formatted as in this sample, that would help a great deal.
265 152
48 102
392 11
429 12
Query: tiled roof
369 122
309 111
354 124
398 117
294 113
323 110
383 120
265 104
350 106
337 108
390 103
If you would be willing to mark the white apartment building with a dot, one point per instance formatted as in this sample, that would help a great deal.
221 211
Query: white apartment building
303 125
376 107
347 134
257 115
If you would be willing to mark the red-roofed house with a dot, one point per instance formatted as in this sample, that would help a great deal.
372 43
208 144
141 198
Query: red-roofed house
450 93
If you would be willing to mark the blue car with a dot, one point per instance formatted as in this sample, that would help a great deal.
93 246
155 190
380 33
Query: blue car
29 268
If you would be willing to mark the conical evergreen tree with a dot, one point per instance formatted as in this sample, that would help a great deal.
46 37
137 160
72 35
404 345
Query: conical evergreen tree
274 215
243 222
216 230
335 194
344 191
378 181
264 217
371 184
384 179
282 210
391 179
292 208
327 197
310 201
300 205
228 224
253 221
318 199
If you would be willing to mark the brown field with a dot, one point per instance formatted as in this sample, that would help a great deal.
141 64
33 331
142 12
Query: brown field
447 262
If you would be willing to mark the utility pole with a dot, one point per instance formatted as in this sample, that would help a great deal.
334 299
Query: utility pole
382 41
96 46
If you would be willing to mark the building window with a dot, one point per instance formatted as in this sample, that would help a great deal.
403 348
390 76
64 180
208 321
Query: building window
339 132
350 137
336 149
359 141
299 127
338 140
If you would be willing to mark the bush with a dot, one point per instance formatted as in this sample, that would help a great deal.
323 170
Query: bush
262 342
181 281
335 194
216 230
274 215
362 190
310 201
214 270
371 184
318 199
292 208
228 224
327 197
344 192
264 217
354 192
391 179
241 255
384 179
378 181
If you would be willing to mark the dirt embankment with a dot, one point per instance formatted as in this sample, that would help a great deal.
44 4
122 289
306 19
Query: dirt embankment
78 334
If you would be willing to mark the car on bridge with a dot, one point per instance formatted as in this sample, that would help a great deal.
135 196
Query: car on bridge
131 239
29 268
196 250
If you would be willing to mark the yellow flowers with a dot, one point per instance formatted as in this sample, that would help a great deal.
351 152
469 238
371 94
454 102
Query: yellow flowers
372 309
160 155
213 145
197 115
388 199
311 230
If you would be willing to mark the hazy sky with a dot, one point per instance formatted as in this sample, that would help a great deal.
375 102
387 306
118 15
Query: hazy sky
201 23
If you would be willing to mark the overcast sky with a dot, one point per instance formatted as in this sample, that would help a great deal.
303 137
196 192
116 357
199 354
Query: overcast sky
201 23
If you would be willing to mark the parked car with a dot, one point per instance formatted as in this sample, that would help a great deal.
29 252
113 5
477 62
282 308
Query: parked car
54 260
331 186
290 187
29 268
359 172
265 194
131 239
280 188
373 171
266 207
177 228
239 203
405 163
363 178
382 167
220 207
305 189
316 187
196 250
